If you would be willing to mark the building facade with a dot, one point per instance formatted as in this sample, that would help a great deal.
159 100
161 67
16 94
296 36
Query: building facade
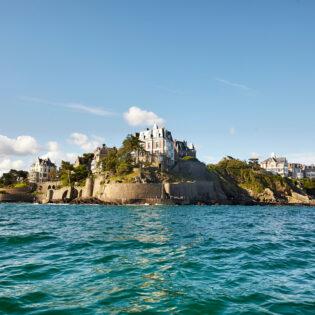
161 148
309 171
276 165
99 154
182 149
296 170
42 170
158 142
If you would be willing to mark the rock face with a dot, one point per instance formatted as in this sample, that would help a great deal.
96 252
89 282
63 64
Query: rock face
197 184
267 196
299 198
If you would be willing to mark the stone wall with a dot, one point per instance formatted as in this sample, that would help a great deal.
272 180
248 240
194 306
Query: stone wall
205 191
16 195
128 193
53 192
193 192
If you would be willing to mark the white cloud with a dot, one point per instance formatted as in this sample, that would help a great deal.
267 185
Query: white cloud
254 155
136 116
234 84
72 105
232 131
8 164
22 145
85 142
89 109
13 148
53 146
56 155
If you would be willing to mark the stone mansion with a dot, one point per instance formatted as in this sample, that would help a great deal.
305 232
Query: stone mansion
42 170
160 146
160 149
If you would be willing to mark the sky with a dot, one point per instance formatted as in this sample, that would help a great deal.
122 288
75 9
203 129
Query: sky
233 77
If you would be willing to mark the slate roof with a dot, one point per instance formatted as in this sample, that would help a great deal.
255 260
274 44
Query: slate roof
46 162
278 160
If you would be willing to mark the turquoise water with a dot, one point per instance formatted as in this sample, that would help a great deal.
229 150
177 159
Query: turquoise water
73 259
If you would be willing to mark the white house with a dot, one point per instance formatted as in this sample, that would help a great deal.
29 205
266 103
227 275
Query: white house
309 171
158 141
276 165
42 170
296 170
161 148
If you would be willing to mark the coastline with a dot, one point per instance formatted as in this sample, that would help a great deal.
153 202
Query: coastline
194 185
29 199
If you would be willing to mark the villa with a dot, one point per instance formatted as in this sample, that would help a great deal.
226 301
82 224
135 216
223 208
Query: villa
309 171
42 170
296 170
158 141
280 166
276 165
161 148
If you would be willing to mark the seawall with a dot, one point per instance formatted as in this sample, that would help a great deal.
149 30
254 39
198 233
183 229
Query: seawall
16 195
125 193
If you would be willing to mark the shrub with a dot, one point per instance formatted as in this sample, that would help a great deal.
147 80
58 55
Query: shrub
250 176
21 185
309 185
189 158
123 168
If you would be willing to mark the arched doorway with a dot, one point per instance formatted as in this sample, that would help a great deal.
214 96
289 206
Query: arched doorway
50 195
74 193
64 195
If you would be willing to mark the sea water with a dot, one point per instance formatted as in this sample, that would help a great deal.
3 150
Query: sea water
92 259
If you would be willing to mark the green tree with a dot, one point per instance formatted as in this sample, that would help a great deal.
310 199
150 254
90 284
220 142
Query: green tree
134 146
122 161
309 185
86 158
65 171
123 167
109 163
79 173
13 177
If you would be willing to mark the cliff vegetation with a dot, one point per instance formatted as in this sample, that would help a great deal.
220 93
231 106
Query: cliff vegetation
239 178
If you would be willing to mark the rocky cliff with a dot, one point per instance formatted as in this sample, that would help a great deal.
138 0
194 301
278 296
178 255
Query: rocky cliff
243 181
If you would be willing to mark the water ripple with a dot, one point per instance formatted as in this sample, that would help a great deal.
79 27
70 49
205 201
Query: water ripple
69 259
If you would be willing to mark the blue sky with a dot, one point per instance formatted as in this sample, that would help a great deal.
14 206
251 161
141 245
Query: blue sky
233 77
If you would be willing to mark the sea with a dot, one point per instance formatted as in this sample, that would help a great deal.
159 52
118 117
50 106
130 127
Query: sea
96 259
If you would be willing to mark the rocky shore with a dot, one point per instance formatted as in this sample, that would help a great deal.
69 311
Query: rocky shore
190 182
